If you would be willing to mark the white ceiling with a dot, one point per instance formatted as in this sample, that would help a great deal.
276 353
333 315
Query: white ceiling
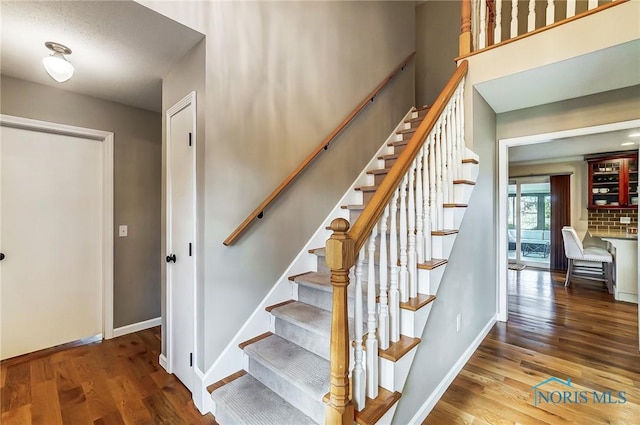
121 49
574 147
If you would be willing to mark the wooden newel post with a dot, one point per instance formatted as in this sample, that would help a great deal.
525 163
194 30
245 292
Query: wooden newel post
340 256
465 28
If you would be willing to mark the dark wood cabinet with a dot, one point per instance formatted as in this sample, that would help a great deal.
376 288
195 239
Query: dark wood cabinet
613 181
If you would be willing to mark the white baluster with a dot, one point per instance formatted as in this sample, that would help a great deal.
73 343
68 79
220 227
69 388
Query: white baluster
439 200
551 12
394 296
443 163
592 4
450 167
482 37
460 126
372 340
514 18
571 8
411 253
455 157
383 318
462 136
426 186
359 383
531 23
404 272
420 170
433 178
497 32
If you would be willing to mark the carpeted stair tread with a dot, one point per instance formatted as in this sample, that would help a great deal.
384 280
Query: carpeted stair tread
322 282
247 401
307 371
305 316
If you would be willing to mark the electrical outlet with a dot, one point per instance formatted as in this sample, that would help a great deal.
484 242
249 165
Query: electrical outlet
122 230
625 220
458 322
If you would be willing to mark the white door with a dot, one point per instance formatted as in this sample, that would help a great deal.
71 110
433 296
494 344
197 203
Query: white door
181 238
51 214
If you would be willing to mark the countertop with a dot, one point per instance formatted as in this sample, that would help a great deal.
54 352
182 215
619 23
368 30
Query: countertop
613 235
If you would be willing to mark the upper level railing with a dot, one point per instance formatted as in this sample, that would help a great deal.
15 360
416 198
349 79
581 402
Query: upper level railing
487 23
259 210
392 235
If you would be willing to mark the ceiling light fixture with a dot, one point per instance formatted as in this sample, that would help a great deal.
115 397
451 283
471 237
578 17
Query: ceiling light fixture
57 66
627 143
634 135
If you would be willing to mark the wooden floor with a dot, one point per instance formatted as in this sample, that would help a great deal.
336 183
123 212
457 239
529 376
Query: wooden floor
580 333
118 381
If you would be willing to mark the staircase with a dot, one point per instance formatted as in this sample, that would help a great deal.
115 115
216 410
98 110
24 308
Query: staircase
286 371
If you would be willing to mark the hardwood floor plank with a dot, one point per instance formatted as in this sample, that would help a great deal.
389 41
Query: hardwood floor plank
113 382
579 333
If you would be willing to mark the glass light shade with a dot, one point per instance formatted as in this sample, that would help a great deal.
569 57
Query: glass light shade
58 67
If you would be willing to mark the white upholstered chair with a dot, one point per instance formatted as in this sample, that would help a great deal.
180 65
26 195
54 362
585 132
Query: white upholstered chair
591 262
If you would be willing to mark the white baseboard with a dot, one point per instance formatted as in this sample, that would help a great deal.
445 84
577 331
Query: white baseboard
135 327
162 359
433 398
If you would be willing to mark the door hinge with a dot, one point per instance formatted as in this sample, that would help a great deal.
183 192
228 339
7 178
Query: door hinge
189 249
189 138
190 359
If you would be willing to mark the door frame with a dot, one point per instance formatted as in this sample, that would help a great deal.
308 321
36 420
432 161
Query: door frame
189 99
107 139
503 186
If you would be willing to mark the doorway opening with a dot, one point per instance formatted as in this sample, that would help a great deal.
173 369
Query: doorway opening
529 222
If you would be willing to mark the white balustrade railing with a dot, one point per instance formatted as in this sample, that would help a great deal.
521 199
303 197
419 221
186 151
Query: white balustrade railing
481 21
400 241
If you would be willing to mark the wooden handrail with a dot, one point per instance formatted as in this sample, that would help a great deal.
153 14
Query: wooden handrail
257 213
371 214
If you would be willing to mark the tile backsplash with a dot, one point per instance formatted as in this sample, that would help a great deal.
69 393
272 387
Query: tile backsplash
609 220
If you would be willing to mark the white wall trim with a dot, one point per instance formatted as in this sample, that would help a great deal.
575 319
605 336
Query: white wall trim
107 139
437 393
162 360
135 327
503 184
189 99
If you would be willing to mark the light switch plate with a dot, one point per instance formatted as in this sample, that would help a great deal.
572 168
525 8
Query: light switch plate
625 220
122 231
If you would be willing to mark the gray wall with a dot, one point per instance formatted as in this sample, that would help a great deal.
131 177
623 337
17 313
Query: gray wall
188 75
137 166
436 47
279 77
468 286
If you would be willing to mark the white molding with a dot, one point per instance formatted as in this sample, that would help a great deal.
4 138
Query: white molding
437 393
135 327
503 184
162 360
189 99
107 139
201 397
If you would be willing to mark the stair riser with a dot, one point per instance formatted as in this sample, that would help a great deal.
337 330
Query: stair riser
442 245
315 409
323 299
393 375
462 193
412 322
470 171
317 344
429 280
453 217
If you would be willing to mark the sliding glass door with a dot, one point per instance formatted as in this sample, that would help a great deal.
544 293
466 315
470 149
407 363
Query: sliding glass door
529 220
